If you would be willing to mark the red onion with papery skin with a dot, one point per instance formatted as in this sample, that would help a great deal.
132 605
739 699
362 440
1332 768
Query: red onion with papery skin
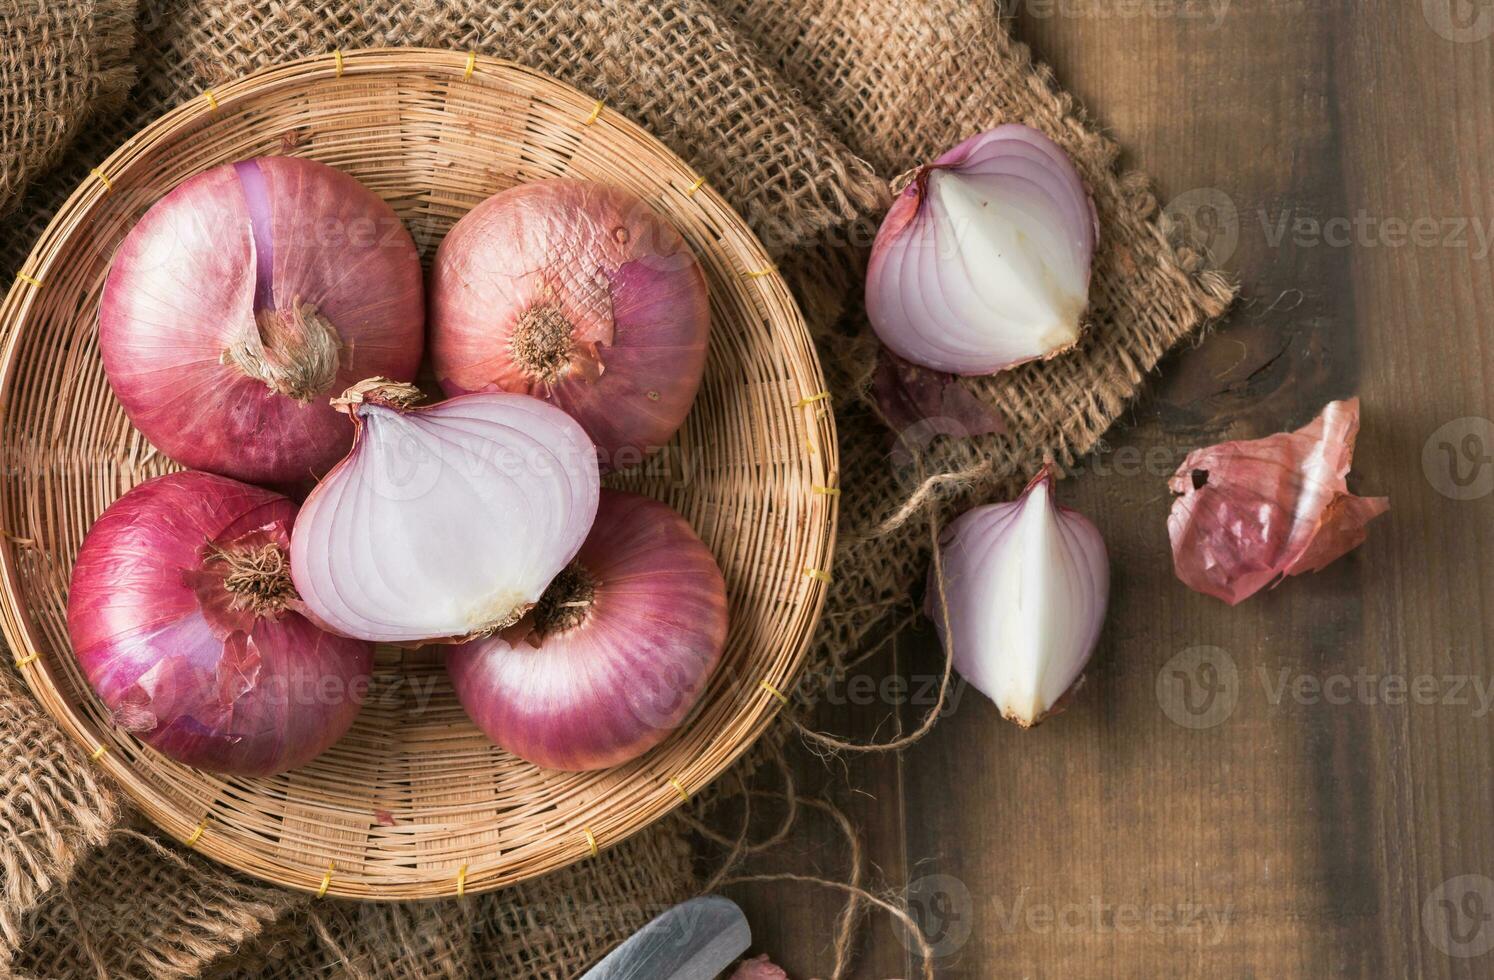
183 618
983 261
445 521
1025 587
243 300
578 293
614 656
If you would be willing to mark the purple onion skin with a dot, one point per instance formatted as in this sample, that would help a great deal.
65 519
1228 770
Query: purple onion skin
188 282
219 689
623 279
615 686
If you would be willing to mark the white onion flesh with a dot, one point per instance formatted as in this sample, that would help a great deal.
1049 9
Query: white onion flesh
1025 587
983 262
446 521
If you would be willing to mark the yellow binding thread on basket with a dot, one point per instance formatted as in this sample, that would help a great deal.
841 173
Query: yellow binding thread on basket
591 841
29 280
773 691
337 57
98 753
212 99
321 891
811 399
103 178
29 659
826 491
196 834
819 575
596 112
766 270
699 183
462 881
471 65
680 790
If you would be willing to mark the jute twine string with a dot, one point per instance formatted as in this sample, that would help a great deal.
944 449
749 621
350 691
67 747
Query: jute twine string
325 934
896 911
927 486
741 847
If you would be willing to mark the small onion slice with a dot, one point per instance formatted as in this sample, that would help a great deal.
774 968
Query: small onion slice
983 261
614 656
445 521
1025 585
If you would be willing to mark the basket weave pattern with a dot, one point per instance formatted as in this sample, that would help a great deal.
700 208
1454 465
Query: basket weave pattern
414 802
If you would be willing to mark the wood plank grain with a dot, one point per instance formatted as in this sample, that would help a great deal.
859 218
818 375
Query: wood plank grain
1323 809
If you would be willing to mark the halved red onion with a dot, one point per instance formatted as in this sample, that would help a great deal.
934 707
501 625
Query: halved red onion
243 300
1250 513
1026 584
614 656
983 261
445 521
183 618
578 293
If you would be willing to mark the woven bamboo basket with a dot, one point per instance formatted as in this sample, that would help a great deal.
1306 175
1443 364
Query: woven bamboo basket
414 802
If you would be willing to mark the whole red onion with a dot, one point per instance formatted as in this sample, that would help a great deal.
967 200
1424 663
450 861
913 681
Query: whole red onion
183 619
247 296
615 654
578 293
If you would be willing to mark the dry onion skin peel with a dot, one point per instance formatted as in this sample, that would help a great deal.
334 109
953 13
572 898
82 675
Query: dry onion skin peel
615 655
1025 586
578 293
445 521
246 298
983 261
184 620
917 403
1248 514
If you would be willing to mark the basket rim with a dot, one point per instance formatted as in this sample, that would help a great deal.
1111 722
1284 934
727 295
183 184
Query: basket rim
16 621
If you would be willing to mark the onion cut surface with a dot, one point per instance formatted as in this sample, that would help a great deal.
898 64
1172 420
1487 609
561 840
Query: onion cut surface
444 521
1025 585
983 262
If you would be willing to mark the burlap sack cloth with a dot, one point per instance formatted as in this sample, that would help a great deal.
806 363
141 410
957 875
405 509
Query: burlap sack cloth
799 111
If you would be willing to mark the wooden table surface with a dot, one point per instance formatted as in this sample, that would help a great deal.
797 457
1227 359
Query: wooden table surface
1300 786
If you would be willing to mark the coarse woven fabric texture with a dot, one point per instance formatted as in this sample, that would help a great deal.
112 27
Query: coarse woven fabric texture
60 63
799 112
899 84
